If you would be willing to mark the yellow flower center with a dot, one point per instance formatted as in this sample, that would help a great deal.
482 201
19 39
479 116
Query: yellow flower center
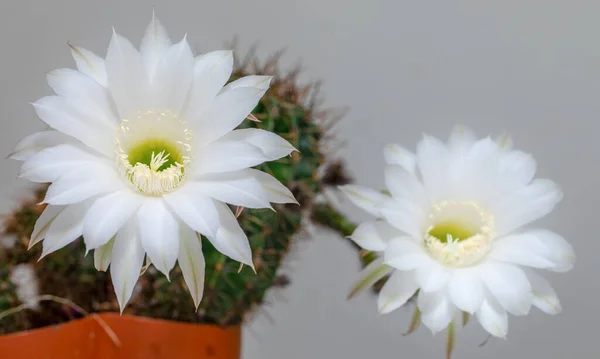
459 233
153 151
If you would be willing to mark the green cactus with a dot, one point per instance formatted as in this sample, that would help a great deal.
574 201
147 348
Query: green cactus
230 294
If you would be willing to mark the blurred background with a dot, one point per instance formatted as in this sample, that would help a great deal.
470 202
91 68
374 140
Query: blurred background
528 67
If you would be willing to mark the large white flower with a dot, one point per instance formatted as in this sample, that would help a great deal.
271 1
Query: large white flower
453 230
143 156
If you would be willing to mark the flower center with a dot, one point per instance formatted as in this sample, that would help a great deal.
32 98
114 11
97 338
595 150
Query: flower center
153 152
459 233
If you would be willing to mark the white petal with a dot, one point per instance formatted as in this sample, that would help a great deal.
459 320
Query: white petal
191 262
373 272
89 64
236 188
37 142
437 310
399 288
171 83
259 82
509 285
404 215
405 186
103 254
159 233
493 317
273 146
544 297
65 116
226 112
526 205
127 79
78 185
211 72
107 215
367 199
535 248
195 209
404 253
275 190
397 155
231 239
367 236
432 160
432 277
227 156
518 167
84 91
126 262
466 290
43 223
155 43
51 163
65 228
461 137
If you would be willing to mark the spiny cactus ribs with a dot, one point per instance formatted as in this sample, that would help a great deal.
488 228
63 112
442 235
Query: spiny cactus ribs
287 109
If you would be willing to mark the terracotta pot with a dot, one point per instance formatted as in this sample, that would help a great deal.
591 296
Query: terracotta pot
140 338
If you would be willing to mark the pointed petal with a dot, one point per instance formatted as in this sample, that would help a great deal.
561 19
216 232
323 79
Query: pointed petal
227 156
231 239
466 290
85 92
195 209
126 76
405 186
397 155
432 157
509 285
373 272
432 277
461 137
273 146
236 188
77 185
535 248
438 312
493 317
211 72
43 223
159 233
48 165
544 297
103 254
397 290
191 262
373 235
155 43
126 262
403 253
526 205
107 215
65 228
226 112
404 215
276 192
89 64
37 142
367 199
173 79
259 82
66 117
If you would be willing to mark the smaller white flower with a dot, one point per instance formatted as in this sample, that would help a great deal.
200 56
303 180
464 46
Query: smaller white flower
452 232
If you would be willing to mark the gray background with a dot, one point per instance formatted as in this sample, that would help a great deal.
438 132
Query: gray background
403 67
